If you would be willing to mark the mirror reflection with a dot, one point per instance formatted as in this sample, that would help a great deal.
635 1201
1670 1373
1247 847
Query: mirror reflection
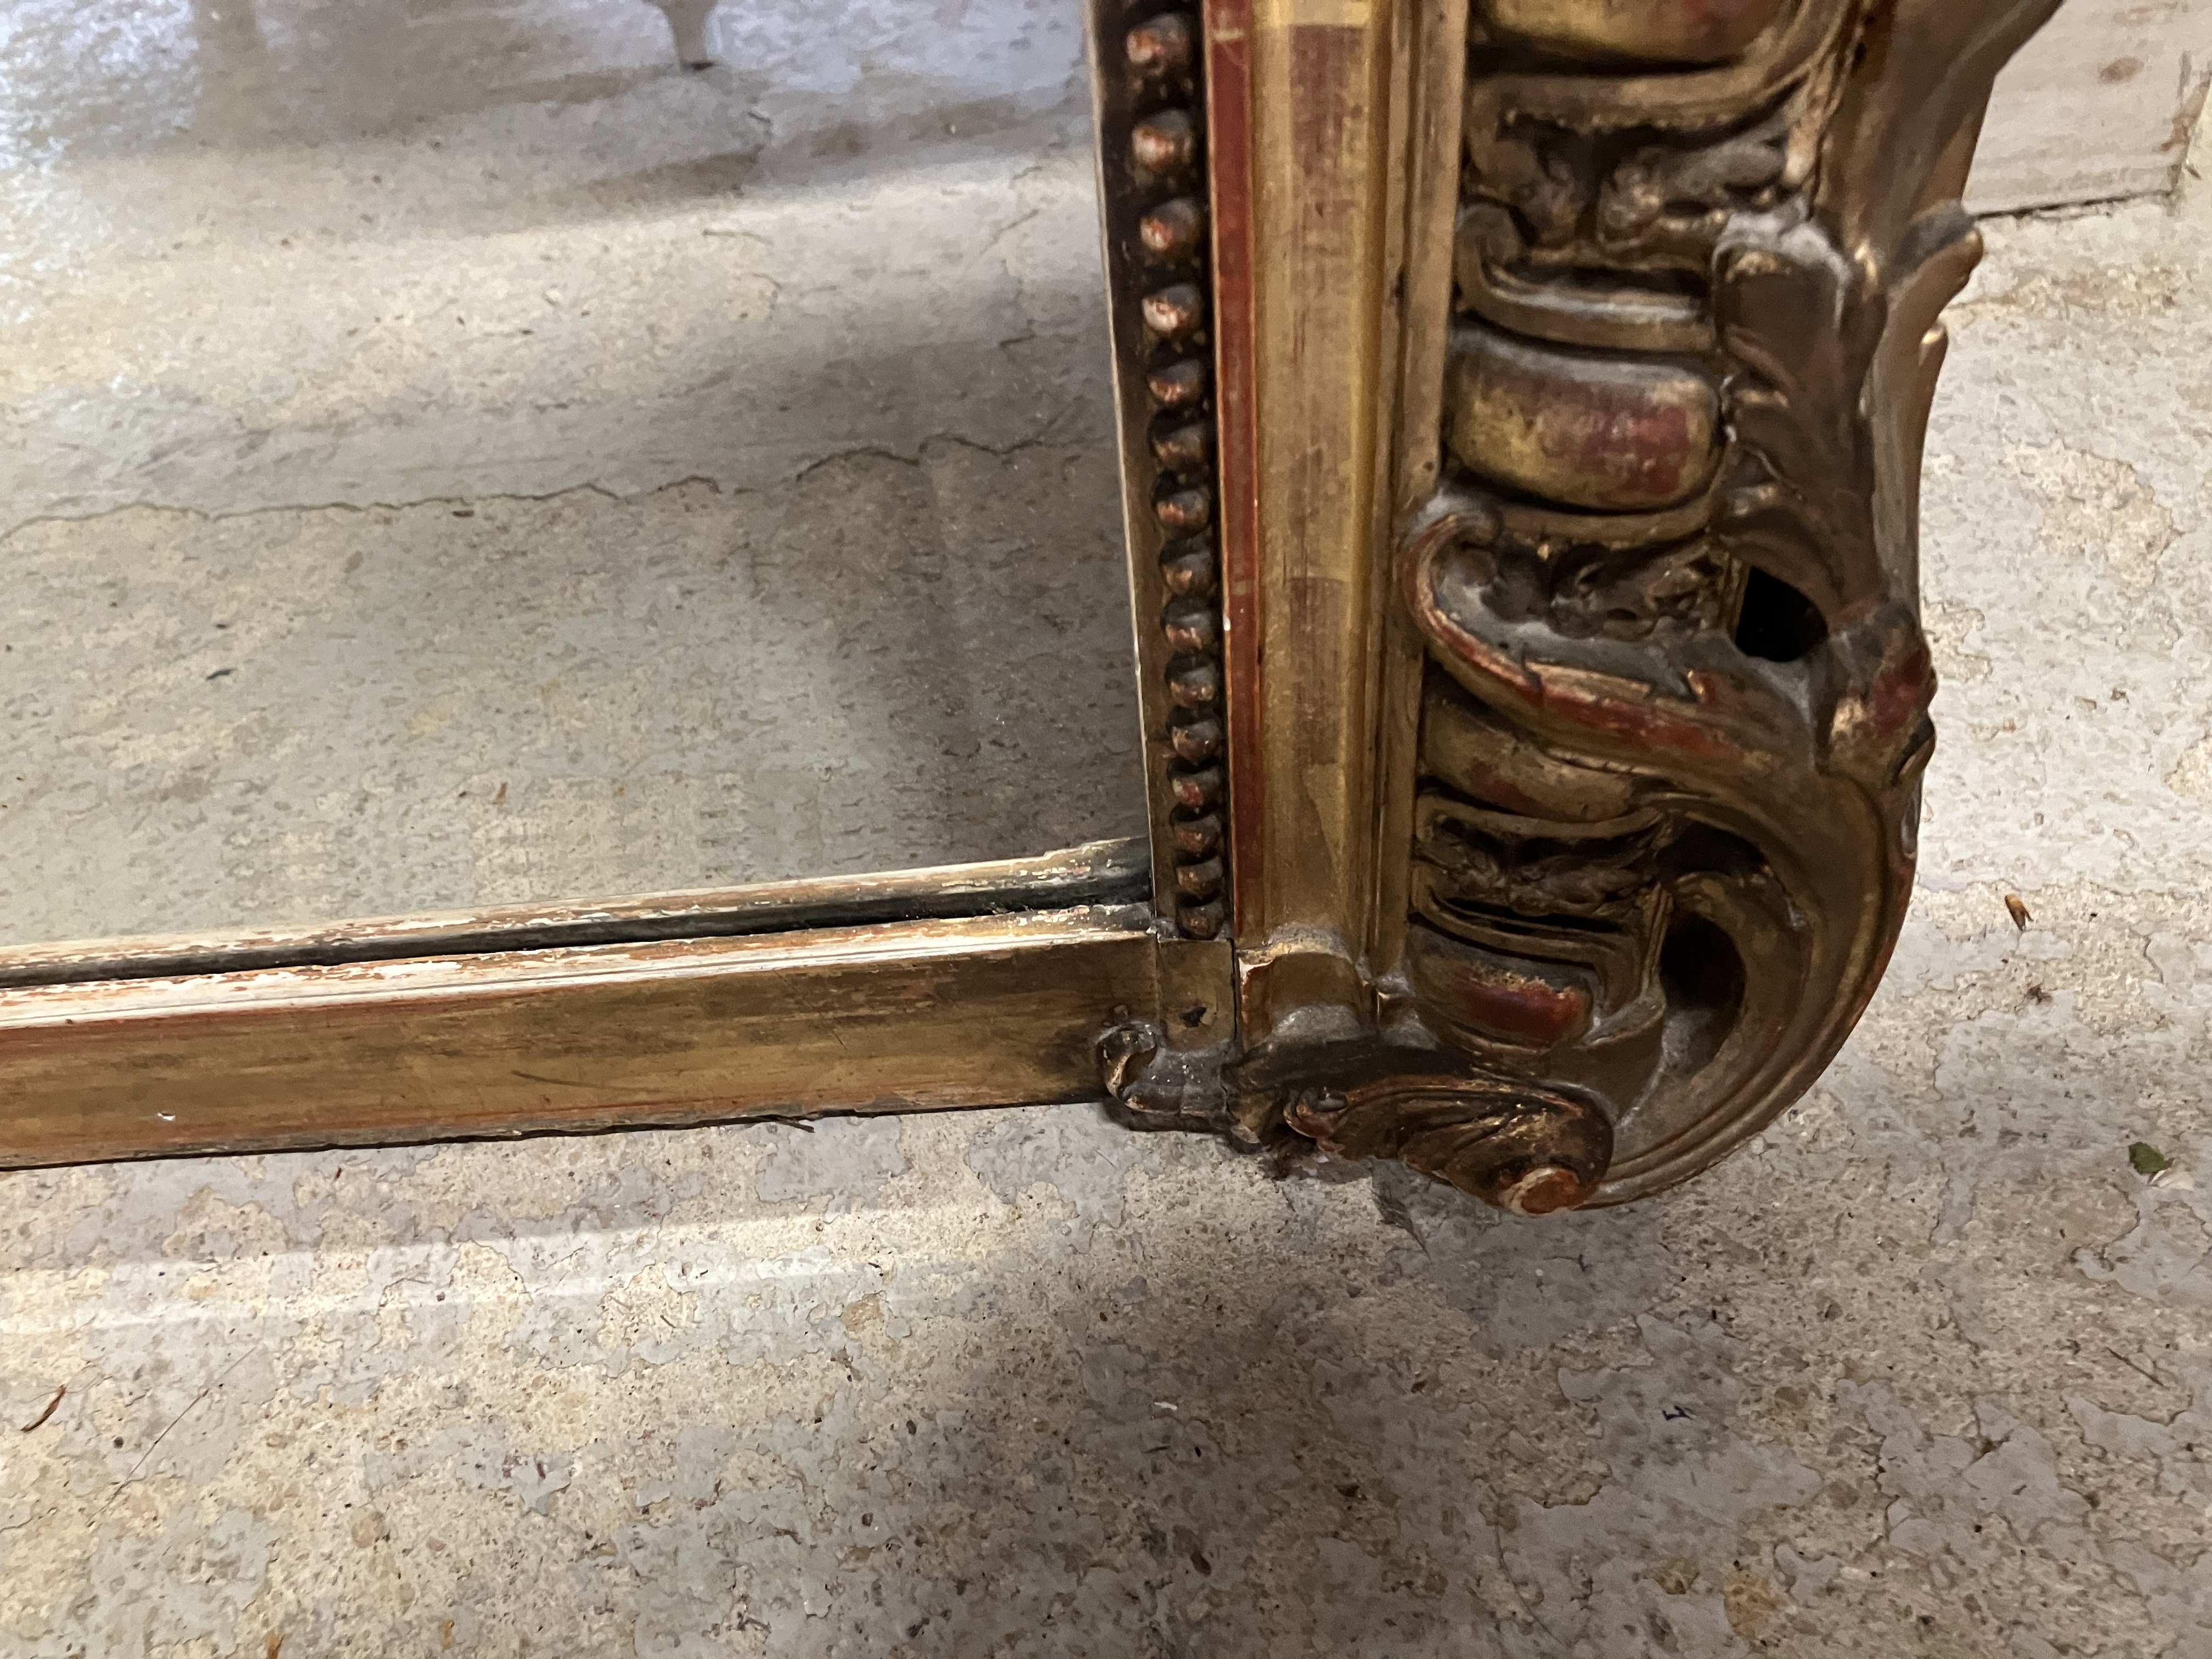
458 455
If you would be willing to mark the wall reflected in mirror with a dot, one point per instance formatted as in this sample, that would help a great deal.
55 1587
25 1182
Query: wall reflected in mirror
457 456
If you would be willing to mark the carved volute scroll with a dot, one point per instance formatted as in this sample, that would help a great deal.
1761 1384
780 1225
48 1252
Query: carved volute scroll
1649 767
1675 712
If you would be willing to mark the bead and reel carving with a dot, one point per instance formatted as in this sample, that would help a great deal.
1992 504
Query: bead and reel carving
1152 165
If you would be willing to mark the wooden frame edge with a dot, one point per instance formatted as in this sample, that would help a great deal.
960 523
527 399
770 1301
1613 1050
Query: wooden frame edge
1160 231
1110 873
896 1016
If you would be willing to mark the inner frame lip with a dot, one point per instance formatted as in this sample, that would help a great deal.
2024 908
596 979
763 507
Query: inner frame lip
1114 874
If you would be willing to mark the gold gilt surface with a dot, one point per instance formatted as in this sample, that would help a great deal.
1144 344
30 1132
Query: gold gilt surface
1520 413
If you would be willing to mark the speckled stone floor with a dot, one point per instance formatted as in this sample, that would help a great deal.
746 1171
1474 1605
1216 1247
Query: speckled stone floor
1928 1371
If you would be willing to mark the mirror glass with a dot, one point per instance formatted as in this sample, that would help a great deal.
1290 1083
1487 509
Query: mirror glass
457 455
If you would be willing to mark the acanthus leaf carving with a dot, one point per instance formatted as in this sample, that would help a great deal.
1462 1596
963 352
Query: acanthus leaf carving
1673 707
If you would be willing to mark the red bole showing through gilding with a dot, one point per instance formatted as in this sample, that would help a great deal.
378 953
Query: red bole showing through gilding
1228 153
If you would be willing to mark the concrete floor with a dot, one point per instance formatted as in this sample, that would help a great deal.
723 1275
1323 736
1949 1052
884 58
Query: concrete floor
1928 1371
456 456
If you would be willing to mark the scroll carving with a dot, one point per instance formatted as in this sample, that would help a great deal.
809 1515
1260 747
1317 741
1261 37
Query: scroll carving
1676 706
1663 746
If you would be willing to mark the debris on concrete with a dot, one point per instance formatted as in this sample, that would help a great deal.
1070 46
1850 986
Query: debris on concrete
2146 1159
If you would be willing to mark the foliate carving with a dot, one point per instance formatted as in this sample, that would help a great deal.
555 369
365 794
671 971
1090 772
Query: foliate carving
1528 1151
1153 162
1675 710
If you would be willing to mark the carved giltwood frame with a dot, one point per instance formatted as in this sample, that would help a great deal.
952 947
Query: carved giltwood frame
1521 405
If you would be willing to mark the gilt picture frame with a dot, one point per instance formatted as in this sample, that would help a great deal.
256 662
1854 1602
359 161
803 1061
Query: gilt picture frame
1520 406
